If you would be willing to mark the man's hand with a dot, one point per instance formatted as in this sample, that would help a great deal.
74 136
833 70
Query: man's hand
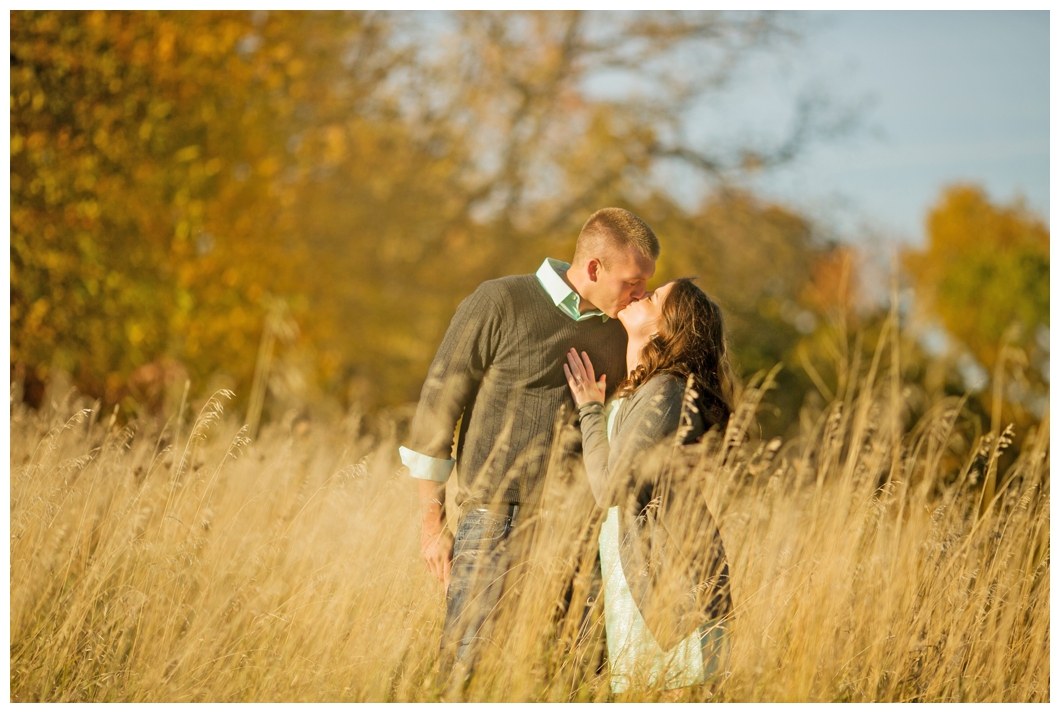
581 379
436 542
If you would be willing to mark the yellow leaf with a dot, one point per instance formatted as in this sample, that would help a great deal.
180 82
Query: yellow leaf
188 153
268 166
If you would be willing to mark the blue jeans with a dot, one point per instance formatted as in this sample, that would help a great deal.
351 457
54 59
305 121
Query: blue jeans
482 557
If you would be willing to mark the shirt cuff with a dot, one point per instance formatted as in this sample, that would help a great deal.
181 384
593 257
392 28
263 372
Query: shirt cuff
425 467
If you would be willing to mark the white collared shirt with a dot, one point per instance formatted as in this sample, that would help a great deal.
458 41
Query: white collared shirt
550 275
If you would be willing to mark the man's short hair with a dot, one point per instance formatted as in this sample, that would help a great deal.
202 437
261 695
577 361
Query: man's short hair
614 230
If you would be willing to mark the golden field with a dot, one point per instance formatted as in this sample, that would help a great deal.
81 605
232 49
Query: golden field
290 205
180 562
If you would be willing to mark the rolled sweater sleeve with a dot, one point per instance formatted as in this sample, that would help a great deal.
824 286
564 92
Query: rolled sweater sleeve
466 352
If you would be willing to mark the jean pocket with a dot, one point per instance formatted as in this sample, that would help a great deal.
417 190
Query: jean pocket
478 530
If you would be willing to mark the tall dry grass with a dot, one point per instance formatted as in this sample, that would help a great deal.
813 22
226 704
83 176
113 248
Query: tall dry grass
169 563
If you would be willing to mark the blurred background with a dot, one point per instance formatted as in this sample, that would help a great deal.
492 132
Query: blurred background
291 204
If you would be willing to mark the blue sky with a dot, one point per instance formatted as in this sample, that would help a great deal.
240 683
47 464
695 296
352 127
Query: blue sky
949 96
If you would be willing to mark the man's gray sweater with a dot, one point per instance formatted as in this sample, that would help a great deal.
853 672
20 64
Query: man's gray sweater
499 367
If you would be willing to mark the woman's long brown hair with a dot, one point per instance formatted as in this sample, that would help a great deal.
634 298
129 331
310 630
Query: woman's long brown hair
690 342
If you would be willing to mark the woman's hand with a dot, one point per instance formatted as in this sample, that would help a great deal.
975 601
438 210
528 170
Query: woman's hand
582 379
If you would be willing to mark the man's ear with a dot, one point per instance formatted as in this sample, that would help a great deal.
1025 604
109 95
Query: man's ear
593 269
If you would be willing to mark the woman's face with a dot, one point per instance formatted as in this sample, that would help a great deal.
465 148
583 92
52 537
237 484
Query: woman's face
642 318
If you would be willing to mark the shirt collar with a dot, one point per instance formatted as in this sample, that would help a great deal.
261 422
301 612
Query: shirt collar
561 294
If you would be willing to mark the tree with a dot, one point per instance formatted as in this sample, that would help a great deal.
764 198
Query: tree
160 162
985 274
185 184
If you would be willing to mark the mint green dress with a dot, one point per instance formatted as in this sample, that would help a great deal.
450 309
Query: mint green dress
635 657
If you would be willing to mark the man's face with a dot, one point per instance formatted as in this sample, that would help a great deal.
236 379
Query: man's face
621 282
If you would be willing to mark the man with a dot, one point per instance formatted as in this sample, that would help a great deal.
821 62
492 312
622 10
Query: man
499 373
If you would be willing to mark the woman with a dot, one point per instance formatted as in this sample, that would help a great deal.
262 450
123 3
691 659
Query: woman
666 584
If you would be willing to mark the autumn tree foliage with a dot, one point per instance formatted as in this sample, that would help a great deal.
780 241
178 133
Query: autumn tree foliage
160 165
984 271
291 204
984 274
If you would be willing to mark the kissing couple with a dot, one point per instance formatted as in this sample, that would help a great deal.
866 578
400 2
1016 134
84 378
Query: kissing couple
644 374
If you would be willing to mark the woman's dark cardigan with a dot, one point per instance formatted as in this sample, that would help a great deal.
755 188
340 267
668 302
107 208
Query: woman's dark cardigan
670 548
